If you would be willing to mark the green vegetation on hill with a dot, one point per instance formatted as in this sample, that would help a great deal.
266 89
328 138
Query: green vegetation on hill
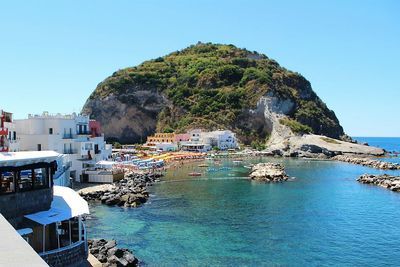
296 126
211 85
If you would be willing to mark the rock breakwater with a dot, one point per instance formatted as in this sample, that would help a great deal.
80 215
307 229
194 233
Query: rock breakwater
269 172
388 181
107 252
377 164
131 191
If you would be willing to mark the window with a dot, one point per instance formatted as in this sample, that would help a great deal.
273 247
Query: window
7 182
14 135
50 130
39 147
40 178
24 180
88 146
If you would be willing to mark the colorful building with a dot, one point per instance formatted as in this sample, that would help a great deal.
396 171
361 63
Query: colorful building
161 138
8 134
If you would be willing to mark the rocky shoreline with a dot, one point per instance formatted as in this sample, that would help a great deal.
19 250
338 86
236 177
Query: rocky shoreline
131 191
377 164
269 172
387 181
107 252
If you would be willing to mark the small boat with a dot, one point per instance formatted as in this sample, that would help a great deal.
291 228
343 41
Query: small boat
194 173
203 165
237 161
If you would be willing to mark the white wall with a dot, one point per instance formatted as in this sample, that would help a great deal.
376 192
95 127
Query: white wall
35 130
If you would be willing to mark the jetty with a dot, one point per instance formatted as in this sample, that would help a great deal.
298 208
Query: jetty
373 163
387 181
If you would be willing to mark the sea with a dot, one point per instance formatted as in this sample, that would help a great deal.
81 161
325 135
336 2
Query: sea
321 217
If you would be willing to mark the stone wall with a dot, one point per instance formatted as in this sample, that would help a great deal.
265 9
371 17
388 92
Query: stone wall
73 257
13 206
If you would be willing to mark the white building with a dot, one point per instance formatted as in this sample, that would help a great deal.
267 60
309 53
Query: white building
73 135
166 147
222 139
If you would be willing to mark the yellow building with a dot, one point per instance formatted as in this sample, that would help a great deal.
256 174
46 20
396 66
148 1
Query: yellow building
161 138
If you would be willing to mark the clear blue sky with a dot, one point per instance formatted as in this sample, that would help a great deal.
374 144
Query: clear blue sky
54 53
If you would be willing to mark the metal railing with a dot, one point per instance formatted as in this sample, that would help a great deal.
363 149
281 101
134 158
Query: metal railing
58 250
69 136
84 236
70 151
84 133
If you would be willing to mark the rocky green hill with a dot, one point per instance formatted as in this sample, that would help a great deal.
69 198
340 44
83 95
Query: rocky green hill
211 86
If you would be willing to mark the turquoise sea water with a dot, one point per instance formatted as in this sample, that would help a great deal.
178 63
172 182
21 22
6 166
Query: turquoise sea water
324 217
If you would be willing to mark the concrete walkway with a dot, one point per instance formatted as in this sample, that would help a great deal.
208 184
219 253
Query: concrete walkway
92 261
14 250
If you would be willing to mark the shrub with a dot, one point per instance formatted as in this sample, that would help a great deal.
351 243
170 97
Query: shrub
296 126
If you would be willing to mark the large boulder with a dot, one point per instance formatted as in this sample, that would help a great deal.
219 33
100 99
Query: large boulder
269 172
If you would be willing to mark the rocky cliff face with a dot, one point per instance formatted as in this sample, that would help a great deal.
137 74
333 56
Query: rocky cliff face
210 86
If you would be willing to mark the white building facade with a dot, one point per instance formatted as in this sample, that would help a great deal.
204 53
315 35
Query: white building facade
70 135
223 139
203 141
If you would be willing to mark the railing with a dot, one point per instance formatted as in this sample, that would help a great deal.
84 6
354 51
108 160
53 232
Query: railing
69 136
70 151
3 131
84 133
84 236
58 250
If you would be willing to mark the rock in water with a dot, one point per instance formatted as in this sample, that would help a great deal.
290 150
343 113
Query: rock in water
373 163
269 172
128 192
108 254
388 181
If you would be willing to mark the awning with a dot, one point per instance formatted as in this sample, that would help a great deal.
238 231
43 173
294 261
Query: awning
13 159
66 204
106 164
24 231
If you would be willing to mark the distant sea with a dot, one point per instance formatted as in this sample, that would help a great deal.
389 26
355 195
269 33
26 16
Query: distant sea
390 144
324 217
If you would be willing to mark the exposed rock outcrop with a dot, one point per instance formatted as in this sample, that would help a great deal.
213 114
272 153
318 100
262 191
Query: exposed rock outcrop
388 181
377 164
128 192
107 252
316 146
268 172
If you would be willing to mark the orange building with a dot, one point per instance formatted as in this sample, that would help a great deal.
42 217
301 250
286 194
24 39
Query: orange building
161 138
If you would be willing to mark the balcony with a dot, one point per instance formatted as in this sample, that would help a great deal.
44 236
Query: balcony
69 136
70 151
4 131
84 133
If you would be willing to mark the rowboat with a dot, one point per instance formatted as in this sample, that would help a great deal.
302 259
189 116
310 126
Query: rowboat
194 174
